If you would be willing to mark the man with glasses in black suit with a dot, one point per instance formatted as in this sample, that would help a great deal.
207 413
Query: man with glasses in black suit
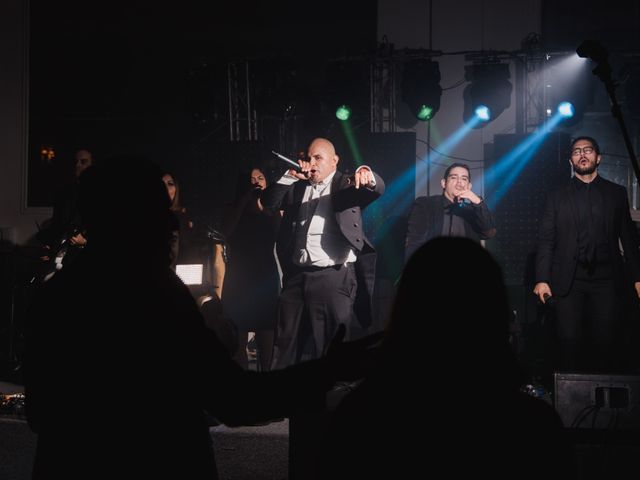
580 266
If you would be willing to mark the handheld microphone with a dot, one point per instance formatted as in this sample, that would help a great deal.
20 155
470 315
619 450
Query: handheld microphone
549 300
463 202
291 163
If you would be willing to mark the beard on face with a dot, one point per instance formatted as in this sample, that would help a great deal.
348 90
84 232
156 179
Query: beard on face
586 170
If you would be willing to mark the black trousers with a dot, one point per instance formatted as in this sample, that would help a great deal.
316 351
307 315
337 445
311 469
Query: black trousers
589 324
313 302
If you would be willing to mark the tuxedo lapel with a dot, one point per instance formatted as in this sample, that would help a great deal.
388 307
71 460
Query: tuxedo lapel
298 191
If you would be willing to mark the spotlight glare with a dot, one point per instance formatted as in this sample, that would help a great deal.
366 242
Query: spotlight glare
483 113
343 112
566 109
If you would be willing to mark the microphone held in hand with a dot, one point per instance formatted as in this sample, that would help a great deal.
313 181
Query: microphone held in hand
463 202
293 165
549 300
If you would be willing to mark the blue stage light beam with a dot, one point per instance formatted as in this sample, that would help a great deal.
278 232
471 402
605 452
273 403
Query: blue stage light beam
501 176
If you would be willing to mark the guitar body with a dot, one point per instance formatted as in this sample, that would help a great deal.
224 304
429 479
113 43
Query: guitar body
56 259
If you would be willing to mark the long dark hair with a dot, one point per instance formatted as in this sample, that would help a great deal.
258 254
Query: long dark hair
176 206
243 180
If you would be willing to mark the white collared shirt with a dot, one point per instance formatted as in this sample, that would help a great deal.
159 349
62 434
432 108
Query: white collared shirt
319 241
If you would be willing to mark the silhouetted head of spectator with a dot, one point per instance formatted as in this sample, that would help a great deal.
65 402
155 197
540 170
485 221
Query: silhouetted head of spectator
124 205
451 310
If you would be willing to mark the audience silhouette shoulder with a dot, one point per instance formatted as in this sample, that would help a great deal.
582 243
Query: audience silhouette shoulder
460 389
120 367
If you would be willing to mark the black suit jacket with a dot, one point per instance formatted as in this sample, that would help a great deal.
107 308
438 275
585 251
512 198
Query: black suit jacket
557 253
426 221
347 203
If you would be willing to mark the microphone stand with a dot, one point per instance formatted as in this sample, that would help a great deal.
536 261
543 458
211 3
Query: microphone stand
603 71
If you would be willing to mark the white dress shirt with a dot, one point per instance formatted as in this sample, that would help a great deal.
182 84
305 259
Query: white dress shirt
319 241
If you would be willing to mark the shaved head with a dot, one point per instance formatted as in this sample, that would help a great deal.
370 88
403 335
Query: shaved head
322 156
324 144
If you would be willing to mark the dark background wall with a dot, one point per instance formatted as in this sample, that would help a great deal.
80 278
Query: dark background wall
139 77
566 23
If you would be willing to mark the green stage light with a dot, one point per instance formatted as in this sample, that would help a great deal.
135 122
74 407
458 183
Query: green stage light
343 112
421 89
425 113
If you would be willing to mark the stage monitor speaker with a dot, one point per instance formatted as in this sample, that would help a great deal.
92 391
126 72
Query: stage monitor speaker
594 401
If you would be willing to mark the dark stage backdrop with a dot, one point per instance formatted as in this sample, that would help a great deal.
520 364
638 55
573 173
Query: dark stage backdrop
519 210
136 76
393 157
567 23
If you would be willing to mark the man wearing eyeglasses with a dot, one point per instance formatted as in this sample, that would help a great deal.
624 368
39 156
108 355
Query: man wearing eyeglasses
458 212
579 265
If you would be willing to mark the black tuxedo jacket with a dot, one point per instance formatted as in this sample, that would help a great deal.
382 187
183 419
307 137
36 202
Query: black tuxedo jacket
557 253
347 203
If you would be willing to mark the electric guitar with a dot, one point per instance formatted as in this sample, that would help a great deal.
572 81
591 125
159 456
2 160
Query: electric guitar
55 258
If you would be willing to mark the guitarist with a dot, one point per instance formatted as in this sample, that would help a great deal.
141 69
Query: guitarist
64 238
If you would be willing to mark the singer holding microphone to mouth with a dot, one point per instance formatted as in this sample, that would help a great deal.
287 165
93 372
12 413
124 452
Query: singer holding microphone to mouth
325 258
252 281
458 212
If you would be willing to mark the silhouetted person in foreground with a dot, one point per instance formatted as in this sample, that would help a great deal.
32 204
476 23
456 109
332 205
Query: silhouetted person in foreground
120 367
452 405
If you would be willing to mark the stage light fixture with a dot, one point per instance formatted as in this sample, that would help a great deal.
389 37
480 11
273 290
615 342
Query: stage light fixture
594 50
570 94
490 88
566 109
344 90
343 112
421 89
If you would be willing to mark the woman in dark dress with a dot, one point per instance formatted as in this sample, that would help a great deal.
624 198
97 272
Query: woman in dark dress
252 281
183 231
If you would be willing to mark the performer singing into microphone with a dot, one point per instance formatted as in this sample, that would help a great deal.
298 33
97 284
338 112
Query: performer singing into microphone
322 250
252 281
458 212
